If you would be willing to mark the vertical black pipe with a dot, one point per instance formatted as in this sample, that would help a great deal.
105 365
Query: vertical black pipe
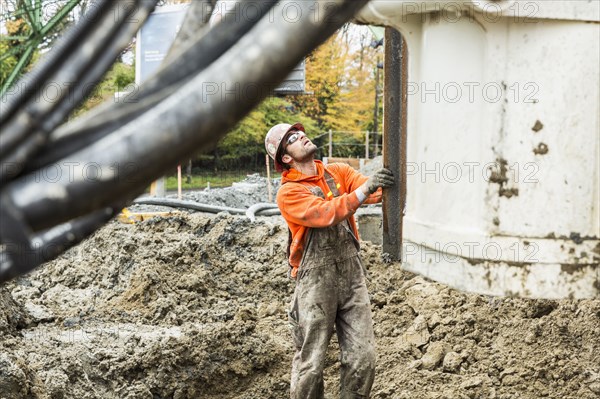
394 141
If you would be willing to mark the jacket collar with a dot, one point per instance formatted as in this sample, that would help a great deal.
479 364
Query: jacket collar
293 175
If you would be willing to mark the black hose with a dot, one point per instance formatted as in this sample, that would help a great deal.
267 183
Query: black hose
110 116
193 26
128 159
20 259
49 120
157 140
26 88
196 206
263 210
65 71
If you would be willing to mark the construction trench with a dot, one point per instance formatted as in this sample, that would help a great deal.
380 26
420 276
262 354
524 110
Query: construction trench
191 303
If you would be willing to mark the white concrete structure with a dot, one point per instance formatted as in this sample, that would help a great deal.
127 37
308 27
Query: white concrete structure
503 143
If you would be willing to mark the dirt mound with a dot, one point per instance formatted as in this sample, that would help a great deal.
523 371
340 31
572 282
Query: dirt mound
193 306
173 307
12 315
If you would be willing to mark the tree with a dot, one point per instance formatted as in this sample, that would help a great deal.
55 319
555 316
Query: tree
354 111
340 79
30 26
324 73
244 144
11 46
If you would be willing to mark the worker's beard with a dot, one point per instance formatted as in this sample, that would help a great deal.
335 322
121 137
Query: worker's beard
307 154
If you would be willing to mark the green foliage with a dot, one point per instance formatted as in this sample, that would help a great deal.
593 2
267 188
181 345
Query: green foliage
24 22
117 79
12 50
123 75
245 142
324 72
8 64
348 145
340 80
339 75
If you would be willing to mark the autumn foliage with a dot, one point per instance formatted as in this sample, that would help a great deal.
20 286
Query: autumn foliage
340 96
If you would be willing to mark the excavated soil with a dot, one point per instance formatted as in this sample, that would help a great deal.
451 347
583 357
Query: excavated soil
193 306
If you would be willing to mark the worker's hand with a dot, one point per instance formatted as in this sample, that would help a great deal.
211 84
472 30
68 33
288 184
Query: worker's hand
382 178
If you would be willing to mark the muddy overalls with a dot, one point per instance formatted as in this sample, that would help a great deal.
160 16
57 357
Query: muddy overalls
331 289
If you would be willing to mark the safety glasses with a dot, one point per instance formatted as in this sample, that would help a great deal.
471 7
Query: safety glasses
293 138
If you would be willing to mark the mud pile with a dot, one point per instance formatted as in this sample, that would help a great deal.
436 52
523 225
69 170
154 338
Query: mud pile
193 306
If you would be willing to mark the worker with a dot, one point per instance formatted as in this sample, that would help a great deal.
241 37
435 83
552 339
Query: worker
318 203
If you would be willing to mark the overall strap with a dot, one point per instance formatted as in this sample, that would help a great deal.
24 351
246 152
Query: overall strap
319 193
334 191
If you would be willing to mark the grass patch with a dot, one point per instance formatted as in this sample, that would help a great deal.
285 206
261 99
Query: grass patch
200 182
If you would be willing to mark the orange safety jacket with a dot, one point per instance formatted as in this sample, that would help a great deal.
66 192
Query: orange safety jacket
303 210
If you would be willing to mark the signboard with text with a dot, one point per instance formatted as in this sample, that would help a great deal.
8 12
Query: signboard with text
159 32
155 39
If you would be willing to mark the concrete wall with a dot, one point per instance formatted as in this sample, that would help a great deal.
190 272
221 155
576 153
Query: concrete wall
503 144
